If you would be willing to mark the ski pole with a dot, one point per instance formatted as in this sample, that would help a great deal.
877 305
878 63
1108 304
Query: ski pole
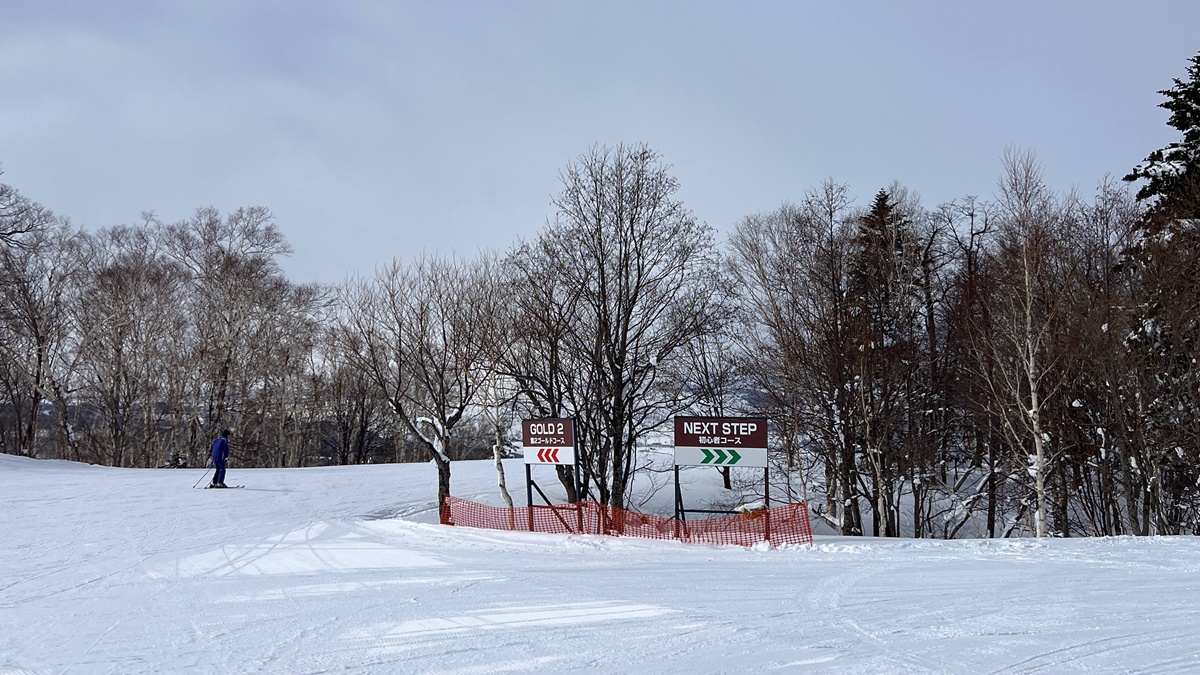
201 480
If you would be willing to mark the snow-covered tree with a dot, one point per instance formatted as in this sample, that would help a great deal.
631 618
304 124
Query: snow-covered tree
1166 330
1170 173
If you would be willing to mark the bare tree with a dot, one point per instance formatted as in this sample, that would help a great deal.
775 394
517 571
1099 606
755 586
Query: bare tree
350 404
278 406
26 324
40 340
234 268
1102 435
713 380
966 478
1019 361
129 304
415 332
19 216
529 343
791 272
648 281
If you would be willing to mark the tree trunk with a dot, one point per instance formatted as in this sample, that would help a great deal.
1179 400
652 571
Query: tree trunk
500 482
443 468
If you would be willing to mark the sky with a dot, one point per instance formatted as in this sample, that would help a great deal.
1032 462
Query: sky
375 130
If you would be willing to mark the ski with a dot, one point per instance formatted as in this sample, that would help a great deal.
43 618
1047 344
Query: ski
227 487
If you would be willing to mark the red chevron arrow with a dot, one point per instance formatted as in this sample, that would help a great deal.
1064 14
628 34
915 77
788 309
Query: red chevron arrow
548 455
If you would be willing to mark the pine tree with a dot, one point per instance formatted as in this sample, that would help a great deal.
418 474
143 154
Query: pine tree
1171 172
881 269
1165 336
883 300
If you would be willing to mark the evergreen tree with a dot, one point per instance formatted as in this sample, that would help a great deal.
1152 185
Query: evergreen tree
1171 172
1165 337
882 350
879 269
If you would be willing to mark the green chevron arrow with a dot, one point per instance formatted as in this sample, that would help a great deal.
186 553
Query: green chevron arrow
718 456
721 457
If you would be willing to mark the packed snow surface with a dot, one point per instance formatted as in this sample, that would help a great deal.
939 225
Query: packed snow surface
344 569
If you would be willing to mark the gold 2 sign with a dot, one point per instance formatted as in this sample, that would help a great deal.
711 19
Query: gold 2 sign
548 441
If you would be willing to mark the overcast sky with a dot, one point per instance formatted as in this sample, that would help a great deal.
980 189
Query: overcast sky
374 130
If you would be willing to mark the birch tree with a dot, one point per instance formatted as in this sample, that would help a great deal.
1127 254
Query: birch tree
130 299
1027 303
39 345
233 266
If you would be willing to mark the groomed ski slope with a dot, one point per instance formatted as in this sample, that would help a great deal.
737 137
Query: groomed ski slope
343 569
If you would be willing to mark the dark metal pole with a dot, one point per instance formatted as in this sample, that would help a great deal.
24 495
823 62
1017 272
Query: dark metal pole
678 504
579 496
678 495
767 500
578 474
529 493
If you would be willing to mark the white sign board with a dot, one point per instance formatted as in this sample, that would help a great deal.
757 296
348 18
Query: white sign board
751 457
535 455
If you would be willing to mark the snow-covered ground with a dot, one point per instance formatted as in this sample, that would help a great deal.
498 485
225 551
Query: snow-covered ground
344 569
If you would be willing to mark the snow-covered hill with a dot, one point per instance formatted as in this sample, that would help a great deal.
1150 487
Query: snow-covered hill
344 569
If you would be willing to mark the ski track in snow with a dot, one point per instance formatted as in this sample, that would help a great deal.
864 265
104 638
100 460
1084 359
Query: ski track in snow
344 569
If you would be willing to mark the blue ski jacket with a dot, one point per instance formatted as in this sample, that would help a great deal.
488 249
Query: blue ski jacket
220 450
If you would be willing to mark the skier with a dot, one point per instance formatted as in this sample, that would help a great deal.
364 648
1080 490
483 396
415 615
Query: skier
220 453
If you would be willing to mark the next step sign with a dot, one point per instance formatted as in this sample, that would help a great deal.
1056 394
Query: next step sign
721 441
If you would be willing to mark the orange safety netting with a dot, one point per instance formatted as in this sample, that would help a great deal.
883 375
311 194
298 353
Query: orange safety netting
786 524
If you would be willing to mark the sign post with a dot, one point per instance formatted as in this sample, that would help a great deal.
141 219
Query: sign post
721 442
549 441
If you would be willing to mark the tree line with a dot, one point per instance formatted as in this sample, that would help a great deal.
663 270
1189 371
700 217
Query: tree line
1019 365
